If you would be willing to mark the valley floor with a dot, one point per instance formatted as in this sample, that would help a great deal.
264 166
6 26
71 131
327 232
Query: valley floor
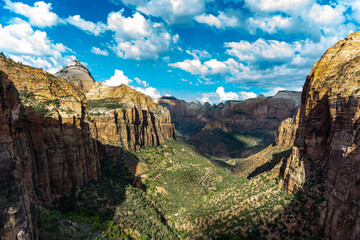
177 193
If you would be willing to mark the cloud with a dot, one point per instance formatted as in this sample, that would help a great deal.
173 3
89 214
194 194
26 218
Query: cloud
274 91
173 12
195 67
218 96
268 24
224 96
139 38
87 26
325 14
261 50
31 47
118 79
198 54
150 91
275 5
39 15
222 21
247 95
98 51
206 98
140 82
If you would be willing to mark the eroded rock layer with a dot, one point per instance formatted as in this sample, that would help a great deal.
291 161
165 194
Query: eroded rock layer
117 116
38 154
327 139
235 128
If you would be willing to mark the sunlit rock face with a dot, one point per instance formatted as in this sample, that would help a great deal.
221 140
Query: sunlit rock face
52 137
118 116
328 137
41 158
260 117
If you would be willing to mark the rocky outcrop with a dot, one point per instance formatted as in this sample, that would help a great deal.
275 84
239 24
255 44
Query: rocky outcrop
117 116
121 116
287 132
215 129
77 74
327 138
41 159
190 117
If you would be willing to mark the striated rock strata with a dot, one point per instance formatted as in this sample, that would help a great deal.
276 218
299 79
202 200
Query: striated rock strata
327 138
39 155
118 116
233 129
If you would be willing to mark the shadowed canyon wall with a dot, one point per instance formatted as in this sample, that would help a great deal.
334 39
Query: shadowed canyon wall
52 137
326 140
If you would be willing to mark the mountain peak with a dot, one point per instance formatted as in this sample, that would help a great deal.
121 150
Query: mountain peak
75 63
78 74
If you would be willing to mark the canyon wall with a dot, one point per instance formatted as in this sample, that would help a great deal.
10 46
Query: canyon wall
52 137
118 116
327 138
235 128
42 158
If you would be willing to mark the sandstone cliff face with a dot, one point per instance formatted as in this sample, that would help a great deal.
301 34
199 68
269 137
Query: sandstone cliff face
287 132
327 137
235 116
216 130
117 116
121 116
41 159
77 74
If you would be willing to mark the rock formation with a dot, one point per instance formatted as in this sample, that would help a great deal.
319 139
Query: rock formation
117 116
41 158
52 137
327 138
261 116
77 74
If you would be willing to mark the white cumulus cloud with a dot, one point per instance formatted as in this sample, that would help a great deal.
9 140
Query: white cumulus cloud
98 51
141 82
118 79
31 47
39 15
275 5
269 24
247 95
222 21
150 91
139 38
173 12
224 96
87 26
260 50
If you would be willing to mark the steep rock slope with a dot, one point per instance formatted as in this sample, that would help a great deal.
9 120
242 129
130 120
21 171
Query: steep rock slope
117 116
233 129
121 116
327 138
41 159
77 74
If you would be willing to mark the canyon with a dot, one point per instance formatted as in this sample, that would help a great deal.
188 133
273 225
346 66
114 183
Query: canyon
325 135
236 128
52 144
57 130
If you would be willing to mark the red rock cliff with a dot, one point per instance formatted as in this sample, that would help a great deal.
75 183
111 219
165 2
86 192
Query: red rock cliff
42 153
328 137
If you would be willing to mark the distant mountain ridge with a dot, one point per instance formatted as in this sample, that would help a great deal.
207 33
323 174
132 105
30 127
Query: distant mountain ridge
261 116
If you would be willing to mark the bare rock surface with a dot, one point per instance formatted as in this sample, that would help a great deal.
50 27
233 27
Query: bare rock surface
327 138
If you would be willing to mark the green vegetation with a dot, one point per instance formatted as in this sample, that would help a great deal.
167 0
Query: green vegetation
218 143
181 194
108 103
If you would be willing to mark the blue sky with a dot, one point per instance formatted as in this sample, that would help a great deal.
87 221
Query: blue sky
206 50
